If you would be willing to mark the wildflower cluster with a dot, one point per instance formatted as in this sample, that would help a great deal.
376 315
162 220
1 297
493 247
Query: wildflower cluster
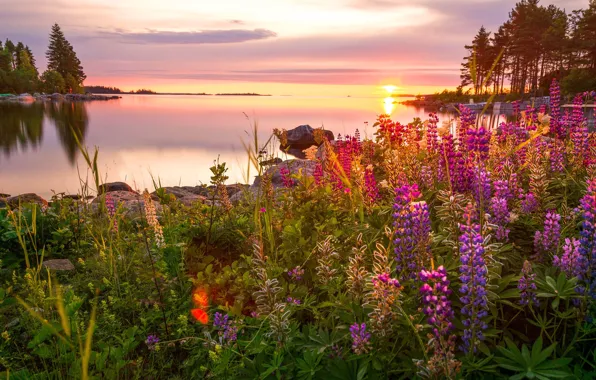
474 278
527 286
547 241
228 330
360 338
151 216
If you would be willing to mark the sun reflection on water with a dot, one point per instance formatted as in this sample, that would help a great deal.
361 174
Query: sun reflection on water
389 105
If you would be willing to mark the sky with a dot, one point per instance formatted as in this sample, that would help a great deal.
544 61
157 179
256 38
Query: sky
278 47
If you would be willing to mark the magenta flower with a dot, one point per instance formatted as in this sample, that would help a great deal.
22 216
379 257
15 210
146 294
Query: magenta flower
547 241
435 299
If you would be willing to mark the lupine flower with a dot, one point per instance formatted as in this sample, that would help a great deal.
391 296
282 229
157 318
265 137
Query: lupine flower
547 241
288 181
111 206
370 185
555 110
528 203
588 235
579 130
500 217
557 157
572 262
435 298
467 121
318 173
151 216
426 177
474 278
292 300
263 210
478 141
412 229
437 307
360 338
227 329
151 342
502 190
432 143
296 273
527 286
482 187
384 278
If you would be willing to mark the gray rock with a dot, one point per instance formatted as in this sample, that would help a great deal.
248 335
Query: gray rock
12 323
306 167
115 186
303 137
27 198
2 195
57 96
59 264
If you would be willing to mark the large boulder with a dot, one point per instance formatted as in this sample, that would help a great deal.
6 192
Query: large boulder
57 96
115 186
59 265
28 198
303 137
306 167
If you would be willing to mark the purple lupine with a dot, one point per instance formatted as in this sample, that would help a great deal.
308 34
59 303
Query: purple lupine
588 235
502 190
478 141
547 241
532 118
474 278
482 187
228 330
151 342
528 203
432 142
296 273
412 229
426 177
527 286
557 157
435 299
385 278
288 181
500 217
467 121
572 262
370 185
292 300
555 110
579 130
360 338
111 206
318 173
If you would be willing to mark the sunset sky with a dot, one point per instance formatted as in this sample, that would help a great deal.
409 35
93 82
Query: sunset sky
280 47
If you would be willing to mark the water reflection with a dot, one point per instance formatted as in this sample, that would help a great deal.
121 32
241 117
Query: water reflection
388 105
22 125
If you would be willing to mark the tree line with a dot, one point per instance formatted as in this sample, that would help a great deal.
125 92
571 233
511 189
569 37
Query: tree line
116 90
536 44
18 73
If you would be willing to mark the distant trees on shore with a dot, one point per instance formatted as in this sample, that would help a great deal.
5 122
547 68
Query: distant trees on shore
19 74
115 90
537 43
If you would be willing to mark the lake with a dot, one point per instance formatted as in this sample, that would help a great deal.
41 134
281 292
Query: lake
175 138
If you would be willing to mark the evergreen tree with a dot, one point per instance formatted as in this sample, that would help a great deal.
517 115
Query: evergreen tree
52 82
62 57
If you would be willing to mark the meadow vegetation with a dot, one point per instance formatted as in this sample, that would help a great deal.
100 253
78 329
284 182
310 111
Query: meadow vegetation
423 252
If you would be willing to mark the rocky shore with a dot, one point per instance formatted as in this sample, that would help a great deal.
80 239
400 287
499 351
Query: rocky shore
56 97
130 199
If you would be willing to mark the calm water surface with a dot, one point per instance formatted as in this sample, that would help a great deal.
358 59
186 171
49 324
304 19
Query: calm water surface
175 138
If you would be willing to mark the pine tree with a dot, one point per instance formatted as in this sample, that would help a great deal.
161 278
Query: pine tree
62 57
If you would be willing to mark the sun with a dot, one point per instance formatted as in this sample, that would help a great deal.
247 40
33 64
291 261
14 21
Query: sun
390 88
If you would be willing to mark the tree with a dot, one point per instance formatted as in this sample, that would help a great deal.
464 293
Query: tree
52 82
62 57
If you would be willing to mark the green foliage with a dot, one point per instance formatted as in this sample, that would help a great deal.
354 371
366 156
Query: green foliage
532 364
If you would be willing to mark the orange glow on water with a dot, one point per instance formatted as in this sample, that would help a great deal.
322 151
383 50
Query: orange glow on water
200 315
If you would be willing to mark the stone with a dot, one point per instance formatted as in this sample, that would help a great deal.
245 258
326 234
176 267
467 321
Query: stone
2 195
22 199
115 186
303 137
306 167
273 161
59 264
57 96
25 98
